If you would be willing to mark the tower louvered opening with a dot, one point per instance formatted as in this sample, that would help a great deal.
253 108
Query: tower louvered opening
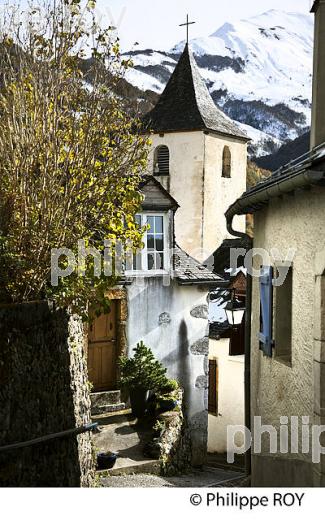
161 166
226 162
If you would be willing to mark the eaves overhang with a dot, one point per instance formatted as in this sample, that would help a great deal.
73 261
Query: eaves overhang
211 283
304 172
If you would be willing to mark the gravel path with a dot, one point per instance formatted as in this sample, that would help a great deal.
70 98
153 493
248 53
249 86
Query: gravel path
209 477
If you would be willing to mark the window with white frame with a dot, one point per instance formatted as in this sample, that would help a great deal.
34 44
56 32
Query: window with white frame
137 257
153 256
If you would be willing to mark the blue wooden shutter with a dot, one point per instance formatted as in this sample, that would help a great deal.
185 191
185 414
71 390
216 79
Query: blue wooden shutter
266 300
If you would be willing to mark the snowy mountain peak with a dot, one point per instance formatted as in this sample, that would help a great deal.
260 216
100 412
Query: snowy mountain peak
283 18
224 29
258 70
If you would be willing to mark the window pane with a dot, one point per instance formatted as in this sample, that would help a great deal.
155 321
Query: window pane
159 225
159 261
159 243
137 262
151 261
138 219
150 242
151 222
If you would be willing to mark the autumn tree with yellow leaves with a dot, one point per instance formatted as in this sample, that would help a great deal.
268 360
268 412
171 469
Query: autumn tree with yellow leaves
71 156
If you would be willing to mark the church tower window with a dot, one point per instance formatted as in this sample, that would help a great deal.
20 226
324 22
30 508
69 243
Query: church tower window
226 162
161 160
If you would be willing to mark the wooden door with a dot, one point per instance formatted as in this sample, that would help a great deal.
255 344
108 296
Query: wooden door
102 350
213 387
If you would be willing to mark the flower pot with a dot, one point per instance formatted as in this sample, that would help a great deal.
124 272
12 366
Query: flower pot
167 405
138 398
106 460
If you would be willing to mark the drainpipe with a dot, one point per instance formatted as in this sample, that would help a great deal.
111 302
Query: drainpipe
247 377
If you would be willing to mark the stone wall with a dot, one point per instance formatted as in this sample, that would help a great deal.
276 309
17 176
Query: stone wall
43 390
175 441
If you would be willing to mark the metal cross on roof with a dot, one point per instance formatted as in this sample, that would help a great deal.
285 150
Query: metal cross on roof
187 24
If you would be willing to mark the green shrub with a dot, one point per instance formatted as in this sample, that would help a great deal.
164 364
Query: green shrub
170 386
143 370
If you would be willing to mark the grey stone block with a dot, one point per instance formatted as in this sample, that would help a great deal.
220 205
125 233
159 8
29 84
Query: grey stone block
201 382
200 347
164 318
200 311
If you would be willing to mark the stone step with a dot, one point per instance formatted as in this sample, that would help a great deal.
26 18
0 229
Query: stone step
103 398
147 467
106 402
107 408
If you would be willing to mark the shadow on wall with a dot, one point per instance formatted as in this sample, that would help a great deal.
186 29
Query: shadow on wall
197 420
184 366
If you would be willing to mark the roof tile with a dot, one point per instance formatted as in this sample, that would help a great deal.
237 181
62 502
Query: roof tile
187 269
186 104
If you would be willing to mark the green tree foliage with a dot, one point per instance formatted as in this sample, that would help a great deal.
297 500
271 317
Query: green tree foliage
254 176
70 154
143 370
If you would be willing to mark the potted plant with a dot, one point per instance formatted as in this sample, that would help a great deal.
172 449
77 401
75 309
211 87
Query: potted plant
140 374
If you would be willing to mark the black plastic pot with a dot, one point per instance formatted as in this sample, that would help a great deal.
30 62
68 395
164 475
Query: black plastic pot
138 399
167 405
106 460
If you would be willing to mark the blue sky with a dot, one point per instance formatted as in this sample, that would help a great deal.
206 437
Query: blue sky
155 24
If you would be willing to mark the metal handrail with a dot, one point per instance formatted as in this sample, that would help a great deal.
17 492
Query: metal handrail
51 436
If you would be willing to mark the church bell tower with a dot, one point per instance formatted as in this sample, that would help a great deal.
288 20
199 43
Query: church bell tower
199 155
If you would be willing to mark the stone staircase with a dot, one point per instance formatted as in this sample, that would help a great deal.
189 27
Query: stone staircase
121 433
106 402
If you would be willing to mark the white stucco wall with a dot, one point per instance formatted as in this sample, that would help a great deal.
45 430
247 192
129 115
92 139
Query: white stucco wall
220 192
197 184
186 181
161 317
230 396
296 221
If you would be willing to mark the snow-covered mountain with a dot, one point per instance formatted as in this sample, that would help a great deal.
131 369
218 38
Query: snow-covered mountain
259 71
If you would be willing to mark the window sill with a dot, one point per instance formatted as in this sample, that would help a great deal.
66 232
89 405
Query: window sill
284 360
146 274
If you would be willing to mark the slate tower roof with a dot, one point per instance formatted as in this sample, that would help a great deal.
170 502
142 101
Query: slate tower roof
314 6
186 104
